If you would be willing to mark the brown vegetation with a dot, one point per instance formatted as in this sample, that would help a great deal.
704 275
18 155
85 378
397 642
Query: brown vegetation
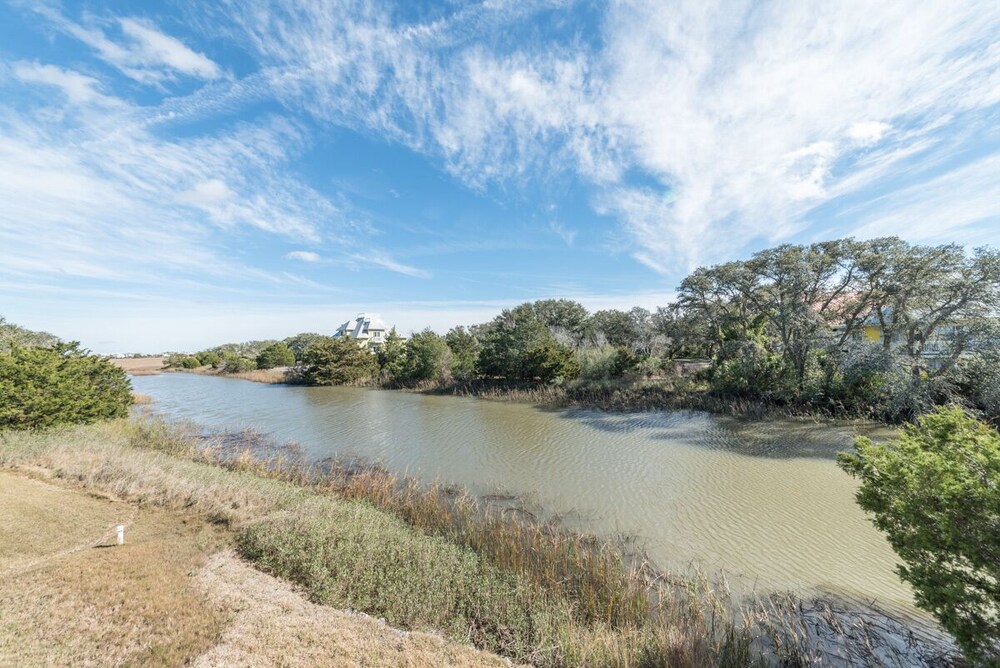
70 596
140 366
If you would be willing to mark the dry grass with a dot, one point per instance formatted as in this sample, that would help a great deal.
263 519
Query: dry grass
172 595
275 376
67 599
140 366
275 625
139 399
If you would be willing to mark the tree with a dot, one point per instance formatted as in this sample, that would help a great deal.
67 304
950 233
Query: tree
276 354
563 317
464 347
209 358
299 343
551 362
234 363
617 327
41 387
935 492
392 355
12 335
507 340
427 357
338 361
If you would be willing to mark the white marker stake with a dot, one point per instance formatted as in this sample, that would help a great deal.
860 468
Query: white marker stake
121 534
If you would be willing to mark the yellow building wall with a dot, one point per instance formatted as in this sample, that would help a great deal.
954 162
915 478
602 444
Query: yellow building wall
873 333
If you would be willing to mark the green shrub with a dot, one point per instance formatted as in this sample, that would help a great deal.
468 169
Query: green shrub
233 363
350 555
190 362
338 361
427 358
748 370
209 358
935 492
276 354
40 387
551 362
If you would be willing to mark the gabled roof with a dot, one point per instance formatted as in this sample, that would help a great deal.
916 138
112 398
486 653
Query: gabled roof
362 326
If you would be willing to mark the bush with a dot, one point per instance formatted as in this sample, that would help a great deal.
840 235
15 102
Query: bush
598 363
352 556
232 363
338 361
426 358
551 362
464 347
276 354
190 362
935 492
41 387
209 358
748 370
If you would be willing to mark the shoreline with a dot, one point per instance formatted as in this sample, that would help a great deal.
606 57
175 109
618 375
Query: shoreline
605 396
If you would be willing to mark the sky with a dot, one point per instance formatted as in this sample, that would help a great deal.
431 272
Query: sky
179 174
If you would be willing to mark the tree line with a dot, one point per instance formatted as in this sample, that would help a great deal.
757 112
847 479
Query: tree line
881 328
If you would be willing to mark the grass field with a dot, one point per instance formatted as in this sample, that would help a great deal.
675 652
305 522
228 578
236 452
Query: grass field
174 594
140 366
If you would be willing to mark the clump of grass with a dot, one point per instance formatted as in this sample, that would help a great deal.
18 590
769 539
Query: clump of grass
351 555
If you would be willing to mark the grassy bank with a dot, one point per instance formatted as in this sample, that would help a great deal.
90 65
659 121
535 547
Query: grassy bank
432 558
627 396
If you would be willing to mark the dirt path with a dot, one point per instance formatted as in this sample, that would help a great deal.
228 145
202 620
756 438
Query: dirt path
173 594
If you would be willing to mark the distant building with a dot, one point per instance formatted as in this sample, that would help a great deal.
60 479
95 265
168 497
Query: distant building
367 329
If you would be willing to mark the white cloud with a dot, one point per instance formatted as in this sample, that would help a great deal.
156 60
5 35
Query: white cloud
383 260
207 193
152 47
868 132
741 118
144 54
303 256
78 88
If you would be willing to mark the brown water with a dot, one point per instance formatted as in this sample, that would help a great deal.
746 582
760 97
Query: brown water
762 501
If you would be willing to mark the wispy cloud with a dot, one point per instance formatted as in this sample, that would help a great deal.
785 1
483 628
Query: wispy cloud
303 256
141 52
741 118
378 258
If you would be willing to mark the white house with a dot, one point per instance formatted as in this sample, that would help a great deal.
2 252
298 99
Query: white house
367 329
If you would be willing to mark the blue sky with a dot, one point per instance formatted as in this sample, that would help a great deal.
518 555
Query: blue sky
178 174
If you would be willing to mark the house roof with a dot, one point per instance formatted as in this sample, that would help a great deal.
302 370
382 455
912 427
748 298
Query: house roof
362 326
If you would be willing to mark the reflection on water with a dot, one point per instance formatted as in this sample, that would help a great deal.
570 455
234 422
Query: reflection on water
764 502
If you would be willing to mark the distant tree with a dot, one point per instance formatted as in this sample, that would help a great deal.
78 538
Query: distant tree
235 363
563 317
41 387
338 361
301 342
427 358
276 354
12 335
190 362
464 348
507 342
392 356
935 492
551 362
209 358
616 327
